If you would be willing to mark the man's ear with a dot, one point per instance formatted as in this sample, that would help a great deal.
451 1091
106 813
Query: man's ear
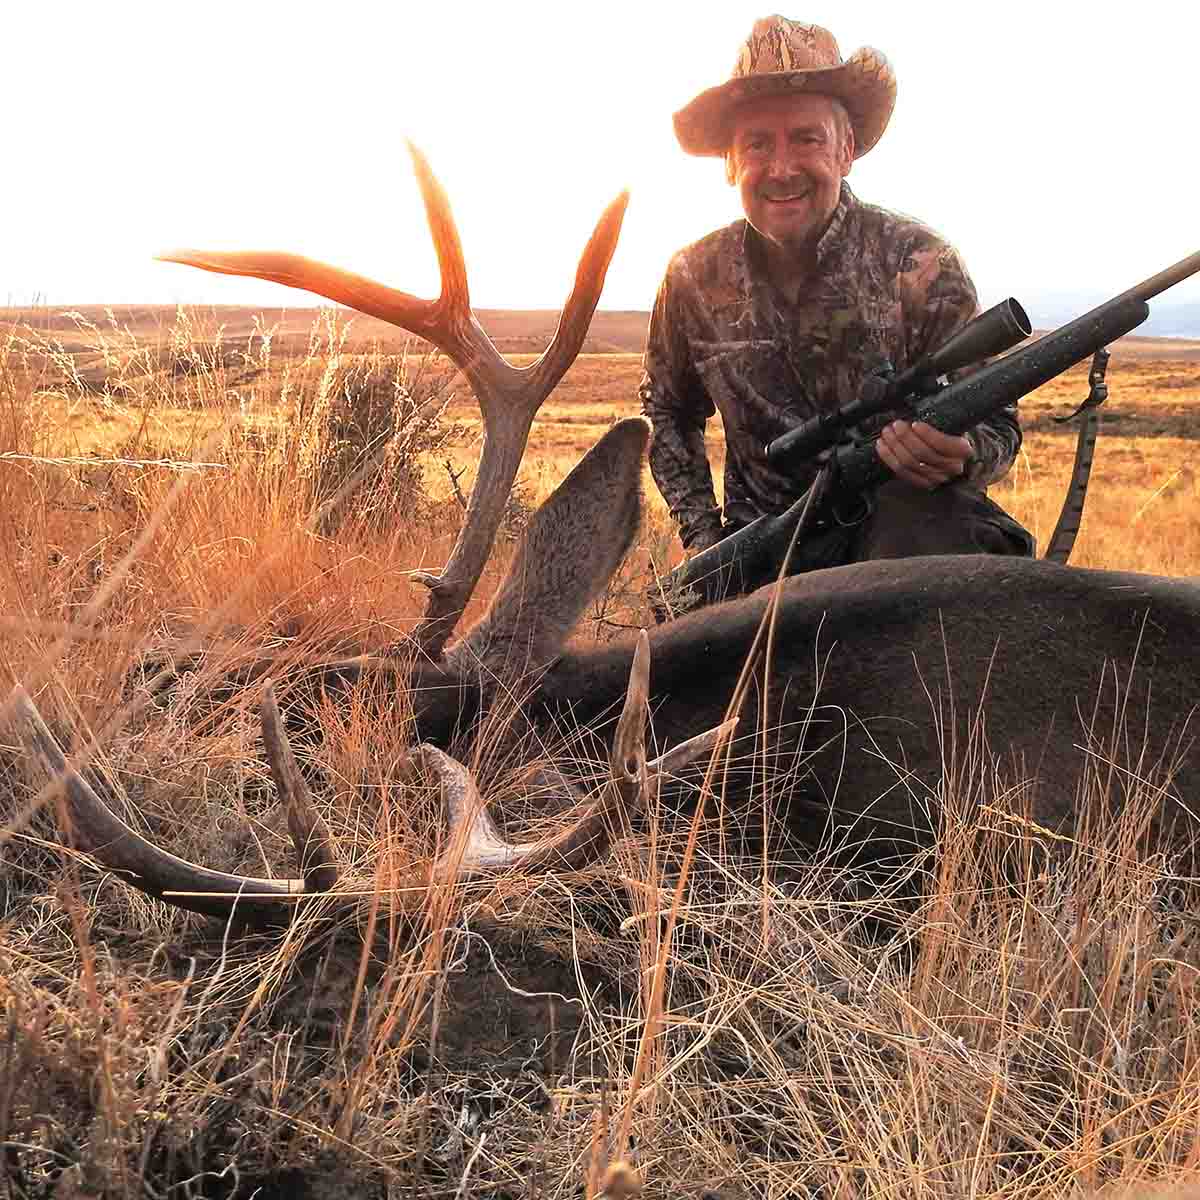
848 145
730 168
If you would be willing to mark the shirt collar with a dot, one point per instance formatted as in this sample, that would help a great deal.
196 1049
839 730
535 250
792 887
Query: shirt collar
833 231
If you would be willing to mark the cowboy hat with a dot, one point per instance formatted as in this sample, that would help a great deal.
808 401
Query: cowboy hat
783 57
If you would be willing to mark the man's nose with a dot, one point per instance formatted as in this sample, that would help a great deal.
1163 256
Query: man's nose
781 165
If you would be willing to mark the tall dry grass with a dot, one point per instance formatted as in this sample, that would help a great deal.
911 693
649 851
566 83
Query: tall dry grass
1026 1028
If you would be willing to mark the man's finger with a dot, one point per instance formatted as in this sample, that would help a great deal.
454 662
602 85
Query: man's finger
897 468
903 463
911 450
912 459
947 454
949 447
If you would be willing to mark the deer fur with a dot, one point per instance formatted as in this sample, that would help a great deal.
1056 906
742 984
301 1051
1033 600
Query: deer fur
892 685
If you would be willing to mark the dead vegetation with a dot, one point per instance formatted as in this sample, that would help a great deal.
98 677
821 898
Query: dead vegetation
714 1004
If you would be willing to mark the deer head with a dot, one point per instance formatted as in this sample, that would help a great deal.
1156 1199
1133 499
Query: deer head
542 597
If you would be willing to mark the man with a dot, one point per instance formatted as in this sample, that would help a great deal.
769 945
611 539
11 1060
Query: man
783 315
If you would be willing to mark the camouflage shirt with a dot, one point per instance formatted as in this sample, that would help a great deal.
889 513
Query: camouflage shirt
724 338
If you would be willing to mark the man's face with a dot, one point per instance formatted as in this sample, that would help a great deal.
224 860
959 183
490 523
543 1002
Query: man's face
787 159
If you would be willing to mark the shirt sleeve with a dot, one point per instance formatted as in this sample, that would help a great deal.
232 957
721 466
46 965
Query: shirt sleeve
678 408
941 298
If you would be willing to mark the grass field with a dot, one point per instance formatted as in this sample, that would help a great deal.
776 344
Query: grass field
1138 514
165 489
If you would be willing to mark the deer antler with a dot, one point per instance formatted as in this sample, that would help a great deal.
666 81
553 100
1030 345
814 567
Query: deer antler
632 781
95 828
508 396
474 845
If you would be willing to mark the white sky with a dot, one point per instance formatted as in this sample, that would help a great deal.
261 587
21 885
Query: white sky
1053 143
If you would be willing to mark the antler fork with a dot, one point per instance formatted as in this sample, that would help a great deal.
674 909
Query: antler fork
508 396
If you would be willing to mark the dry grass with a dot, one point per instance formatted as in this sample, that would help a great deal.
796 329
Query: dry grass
817 1036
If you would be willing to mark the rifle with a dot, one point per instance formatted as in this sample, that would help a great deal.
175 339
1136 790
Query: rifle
849 461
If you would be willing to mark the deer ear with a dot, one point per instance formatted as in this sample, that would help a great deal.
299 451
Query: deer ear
572 546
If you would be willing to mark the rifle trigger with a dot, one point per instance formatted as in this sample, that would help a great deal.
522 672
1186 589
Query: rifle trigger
1098 392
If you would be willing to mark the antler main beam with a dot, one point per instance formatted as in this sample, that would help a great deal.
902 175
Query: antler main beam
94 828
508 396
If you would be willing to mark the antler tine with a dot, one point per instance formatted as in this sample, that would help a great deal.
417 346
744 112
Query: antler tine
456 296
581 303
96 829
310 834
695 748
627 761
343 287
484 849
482 846
632 780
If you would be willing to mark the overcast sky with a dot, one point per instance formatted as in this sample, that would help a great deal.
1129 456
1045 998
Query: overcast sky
1054 144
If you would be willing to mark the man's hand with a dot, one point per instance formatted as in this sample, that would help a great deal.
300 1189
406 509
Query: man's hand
921 455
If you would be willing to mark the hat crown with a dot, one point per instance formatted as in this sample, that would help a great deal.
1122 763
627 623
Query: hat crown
776 44
785 58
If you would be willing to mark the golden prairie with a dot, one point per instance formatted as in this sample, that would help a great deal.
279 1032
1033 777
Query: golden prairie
158 479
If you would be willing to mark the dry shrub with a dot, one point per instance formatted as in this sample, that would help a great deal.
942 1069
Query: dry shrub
374 426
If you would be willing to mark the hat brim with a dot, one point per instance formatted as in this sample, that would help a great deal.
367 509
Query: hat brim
864 83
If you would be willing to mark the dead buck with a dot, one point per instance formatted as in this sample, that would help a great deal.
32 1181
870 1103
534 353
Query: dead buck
890 688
